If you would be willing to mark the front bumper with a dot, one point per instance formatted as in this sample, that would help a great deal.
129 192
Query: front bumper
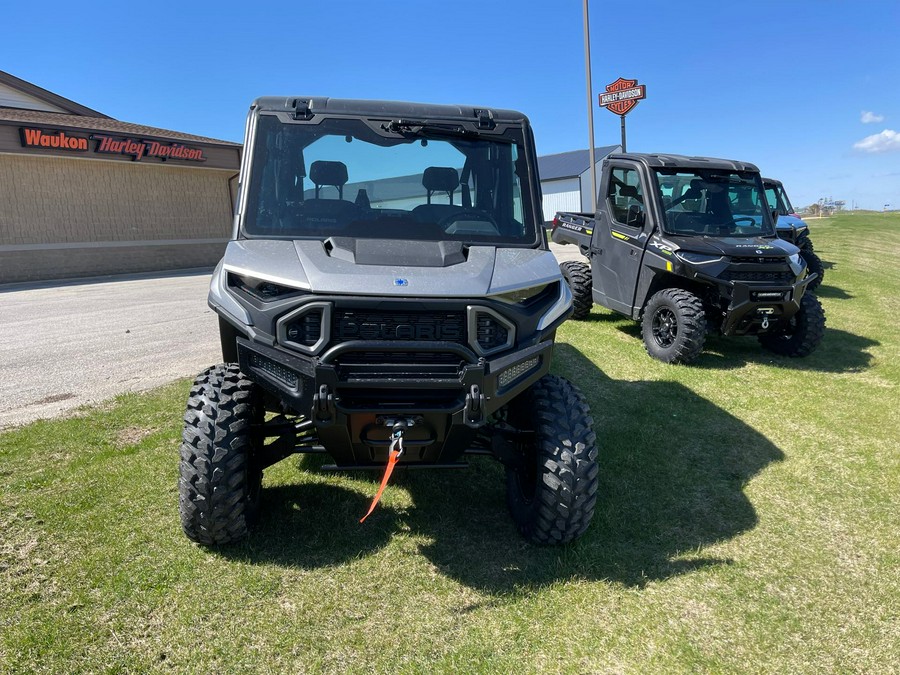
348 393
758 307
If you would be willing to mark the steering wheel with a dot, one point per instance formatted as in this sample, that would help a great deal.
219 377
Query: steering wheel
749 219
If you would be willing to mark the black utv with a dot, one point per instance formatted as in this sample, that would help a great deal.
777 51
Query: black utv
790 227
687 245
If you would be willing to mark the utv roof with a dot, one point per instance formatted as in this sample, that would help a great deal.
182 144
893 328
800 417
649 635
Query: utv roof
349 106
774 181
656 161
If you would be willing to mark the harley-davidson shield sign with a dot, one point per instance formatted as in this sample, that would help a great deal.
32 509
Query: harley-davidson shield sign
622 95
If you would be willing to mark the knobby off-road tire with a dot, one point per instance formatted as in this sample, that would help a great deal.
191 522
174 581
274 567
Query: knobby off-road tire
803 333
219 487
674 326
578 276
804 243
552 494
813 266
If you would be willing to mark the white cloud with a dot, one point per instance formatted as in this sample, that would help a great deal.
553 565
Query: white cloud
887 141
868 117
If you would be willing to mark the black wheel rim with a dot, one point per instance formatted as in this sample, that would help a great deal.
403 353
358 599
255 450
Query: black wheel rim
664 327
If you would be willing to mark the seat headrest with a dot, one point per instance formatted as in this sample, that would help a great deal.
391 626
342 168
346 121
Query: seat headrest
443 178
628 191
328 173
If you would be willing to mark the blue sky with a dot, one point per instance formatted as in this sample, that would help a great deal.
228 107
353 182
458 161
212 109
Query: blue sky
781 84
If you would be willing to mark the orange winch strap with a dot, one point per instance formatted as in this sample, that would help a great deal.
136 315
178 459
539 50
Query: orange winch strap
393 456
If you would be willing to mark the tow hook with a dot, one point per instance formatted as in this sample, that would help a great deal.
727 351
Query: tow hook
765 311
323 405
474 410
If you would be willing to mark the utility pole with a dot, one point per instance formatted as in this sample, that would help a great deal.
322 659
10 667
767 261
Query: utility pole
590 108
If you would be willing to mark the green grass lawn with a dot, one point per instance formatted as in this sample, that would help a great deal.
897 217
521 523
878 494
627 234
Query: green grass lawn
748 521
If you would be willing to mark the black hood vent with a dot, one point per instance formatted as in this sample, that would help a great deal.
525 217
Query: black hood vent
396 252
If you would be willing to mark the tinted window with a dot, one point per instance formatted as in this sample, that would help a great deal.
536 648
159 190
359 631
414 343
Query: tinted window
778 200
715 203
343 177
624 192
772 200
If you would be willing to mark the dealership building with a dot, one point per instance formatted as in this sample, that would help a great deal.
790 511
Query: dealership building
83 194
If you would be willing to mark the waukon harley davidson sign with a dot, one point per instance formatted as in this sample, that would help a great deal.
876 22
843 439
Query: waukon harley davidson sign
109 145
137 149
622 95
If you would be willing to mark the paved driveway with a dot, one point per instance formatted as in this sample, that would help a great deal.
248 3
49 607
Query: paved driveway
72 344
68 345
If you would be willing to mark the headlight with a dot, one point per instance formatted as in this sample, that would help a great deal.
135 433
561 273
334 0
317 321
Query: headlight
523 296
260 288
697 258
797 263
562 305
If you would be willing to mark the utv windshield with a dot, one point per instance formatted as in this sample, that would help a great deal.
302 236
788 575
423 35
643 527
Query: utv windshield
377 180
778 199
714 203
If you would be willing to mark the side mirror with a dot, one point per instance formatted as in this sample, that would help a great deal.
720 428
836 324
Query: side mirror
635 217
775 216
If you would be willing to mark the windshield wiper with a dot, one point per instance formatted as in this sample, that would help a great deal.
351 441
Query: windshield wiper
421 128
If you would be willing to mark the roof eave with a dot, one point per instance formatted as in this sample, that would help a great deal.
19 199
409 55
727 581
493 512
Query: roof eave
49 97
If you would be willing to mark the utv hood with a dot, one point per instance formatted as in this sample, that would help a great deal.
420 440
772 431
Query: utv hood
383 268
734 246
788 222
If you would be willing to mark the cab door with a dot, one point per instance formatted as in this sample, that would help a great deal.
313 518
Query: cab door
621 233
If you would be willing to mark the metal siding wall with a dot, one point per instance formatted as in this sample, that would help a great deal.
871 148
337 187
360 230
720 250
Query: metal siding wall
560 195
13 98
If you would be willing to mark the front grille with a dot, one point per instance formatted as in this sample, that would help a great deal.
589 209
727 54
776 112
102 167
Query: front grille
741 260
773 277
434 358
767 269
374 365
427 326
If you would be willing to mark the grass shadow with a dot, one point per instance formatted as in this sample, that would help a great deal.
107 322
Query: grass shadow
832 292
671 482
312 525
839 352
672 471
603 317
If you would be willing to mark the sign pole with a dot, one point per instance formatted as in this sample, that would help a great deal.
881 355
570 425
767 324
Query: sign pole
590 106
622 117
